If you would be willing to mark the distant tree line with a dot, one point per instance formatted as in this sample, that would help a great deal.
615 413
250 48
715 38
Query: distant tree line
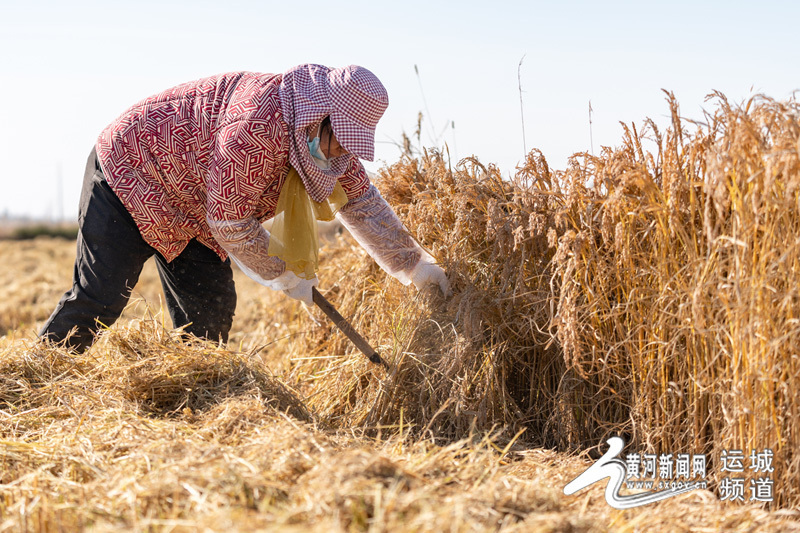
21 233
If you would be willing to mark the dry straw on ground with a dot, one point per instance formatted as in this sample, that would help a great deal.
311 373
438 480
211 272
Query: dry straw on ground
651 294
118 439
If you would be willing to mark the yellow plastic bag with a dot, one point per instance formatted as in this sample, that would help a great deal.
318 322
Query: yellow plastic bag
294 236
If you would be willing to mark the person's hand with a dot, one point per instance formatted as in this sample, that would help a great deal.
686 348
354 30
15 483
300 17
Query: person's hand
425 274
294 286
302 291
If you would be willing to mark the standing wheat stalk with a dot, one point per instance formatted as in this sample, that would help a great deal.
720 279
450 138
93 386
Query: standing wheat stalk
521 108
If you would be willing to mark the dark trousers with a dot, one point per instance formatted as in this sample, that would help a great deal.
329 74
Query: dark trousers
198 285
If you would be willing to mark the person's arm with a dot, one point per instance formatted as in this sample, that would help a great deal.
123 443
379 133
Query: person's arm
376 227
237 178
247 242
246 157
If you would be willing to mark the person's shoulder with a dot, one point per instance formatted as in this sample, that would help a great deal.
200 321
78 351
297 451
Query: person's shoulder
257 96
217 85
257 83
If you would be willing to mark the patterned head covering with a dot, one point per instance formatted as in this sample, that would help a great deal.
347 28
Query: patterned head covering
355 100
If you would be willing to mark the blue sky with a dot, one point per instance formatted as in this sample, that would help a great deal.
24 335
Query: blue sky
69 68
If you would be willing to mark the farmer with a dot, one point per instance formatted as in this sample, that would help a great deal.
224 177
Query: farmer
189 174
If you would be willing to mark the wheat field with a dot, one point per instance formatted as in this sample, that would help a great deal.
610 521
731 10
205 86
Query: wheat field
649 292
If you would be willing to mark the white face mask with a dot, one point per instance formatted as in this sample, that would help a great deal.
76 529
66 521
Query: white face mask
316 154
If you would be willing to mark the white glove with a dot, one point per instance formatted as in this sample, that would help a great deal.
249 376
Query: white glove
294 286
425 274
302 291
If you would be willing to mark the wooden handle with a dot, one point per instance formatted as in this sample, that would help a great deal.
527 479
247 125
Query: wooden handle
342 323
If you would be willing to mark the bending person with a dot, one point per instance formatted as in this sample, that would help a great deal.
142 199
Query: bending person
188 176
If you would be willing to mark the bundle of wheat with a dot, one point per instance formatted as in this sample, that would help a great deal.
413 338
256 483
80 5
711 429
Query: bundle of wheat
479 360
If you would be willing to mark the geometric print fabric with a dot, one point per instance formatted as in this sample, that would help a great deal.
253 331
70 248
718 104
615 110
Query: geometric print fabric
215 147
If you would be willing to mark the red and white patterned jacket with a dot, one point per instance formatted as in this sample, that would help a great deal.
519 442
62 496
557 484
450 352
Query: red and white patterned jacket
212 149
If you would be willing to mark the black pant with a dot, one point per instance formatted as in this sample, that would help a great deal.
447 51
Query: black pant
198 285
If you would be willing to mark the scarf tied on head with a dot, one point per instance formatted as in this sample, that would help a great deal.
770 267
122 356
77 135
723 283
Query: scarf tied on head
355 100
